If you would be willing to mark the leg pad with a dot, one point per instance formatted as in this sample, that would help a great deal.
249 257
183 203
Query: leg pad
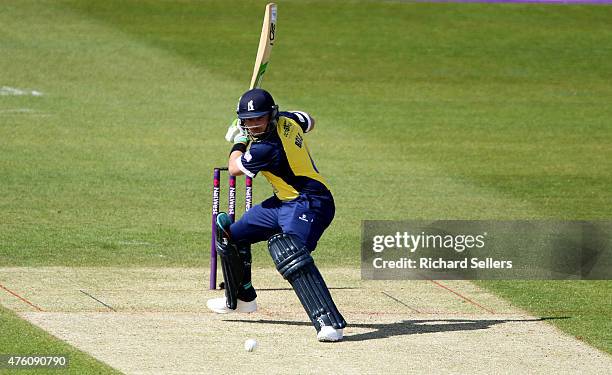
231 262
296 265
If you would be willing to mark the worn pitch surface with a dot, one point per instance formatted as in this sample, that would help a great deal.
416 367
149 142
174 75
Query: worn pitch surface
154 320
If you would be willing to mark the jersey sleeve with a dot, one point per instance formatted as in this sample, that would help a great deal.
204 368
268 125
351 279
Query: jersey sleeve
257 158
302 118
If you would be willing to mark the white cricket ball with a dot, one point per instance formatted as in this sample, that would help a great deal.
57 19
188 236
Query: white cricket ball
250 345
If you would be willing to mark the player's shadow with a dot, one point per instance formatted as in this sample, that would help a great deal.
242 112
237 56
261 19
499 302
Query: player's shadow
409 327
291 289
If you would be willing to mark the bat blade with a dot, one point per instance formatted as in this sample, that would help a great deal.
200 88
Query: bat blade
266 41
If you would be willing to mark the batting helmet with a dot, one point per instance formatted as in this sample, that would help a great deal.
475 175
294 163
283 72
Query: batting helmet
256 103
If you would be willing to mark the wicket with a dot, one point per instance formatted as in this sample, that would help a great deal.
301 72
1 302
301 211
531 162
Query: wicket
231 211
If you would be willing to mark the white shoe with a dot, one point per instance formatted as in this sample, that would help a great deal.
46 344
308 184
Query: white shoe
329 334
218 305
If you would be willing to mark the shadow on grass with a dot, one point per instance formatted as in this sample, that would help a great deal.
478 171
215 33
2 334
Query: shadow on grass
411 327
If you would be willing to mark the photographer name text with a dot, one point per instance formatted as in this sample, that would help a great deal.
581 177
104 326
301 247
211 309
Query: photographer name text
441 264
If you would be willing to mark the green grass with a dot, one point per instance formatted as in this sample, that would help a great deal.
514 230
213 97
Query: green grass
21 338
437 112
581 308
424 111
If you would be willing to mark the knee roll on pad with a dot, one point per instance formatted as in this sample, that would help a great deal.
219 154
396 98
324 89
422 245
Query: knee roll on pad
296 265
288 255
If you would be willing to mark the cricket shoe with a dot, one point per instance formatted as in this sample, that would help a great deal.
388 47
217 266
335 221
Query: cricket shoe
329 334
219 306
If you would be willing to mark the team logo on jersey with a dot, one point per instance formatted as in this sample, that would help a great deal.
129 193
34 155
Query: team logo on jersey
250 106
248 156
286 129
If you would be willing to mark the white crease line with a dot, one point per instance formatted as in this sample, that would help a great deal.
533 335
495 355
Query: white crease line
22 111
12 91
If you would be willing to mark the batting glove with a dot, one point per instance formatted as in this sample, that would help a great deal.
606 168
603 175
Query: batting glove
236 134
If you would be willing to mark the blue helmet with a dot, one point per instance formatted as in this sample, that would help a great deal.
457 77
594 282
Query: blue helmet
256 103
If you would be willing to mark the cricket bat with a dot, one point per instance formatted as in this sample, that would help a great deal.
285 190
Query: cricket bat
266 41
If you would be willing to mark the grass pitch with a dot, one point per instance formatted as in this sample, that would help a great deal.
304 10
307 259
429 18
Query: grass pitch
430 111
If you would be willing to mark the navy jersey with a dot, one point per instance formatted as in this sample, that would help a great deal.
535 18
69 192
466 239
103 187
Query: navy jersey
283 158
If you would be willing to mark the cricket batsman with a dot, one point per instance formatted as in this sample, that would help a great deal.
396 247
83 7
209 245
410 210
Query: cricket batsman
272 143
